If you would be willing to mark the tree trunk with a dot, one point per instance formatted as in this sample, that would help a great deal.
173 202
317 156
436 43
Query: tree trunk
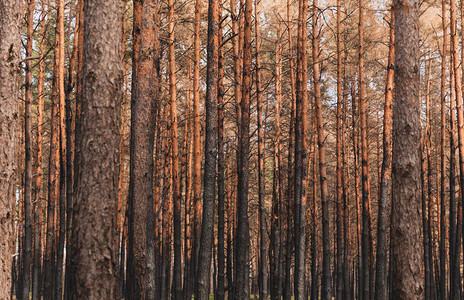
197 157
443 291
241 287
276 221
209 186
385 172
10 35
406 227
95 276
39 193
340 183
290 167
366 241
326 252
61 223
27 245
263 277
177 232
53 184
140 261
220 288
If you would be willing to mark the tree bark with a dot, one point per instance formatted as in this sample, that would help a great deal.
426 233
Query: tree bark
27 244
95 275
443 291
209 185
406 228
326 252
339 175
177 230
385 172
263 263
241 287
39 193
140 261
276 221
197 157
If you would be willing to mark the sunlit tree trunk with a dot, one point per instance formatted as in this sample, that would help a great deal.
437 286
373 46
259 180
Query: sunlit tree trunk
326 252
381 261
39 193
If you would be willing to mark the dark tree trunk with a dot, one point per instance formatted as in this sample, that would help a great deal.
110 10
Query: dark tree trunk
209 185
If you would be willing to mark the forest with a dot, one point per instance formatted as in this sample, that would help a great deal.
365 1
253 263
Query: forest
231 149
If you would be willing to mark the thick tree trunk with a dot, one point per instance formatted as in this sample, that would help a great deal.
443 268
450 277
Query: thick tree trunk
406 227
10 35
209 186
140 261
95 275
381 260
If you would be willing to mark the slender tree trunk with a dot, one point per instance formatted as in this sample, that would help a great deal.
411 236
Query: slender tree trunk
61 223
326 252
340 183
366 242
381 261
300 155
140 262
263 273
454 281
71 251
276 220
314 237
53 184
241 288
443 272
197 157
290 166
425 228
406 227
209 186
177 232
27 246
220 288
70 146
39 193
